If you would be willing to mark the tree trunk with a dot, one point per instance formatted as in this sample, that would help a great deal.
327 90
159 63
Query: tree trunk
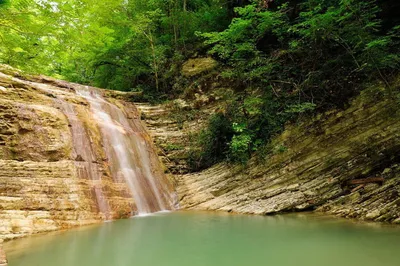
155 64
149 36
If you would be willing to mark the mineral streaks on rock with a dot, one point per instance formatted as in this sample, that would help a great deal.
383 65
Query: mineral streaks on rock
54 170
39 185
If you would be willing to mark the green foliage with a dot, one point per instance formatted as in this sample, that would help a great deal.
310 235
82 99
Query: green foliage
114 44
247 124
212 143
239 41
173 147
298 58
305 55
300 108
239 148
279 149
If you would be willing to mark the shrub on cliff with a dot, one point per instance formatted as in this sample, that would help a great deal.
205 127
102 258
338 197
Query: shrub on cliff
300 57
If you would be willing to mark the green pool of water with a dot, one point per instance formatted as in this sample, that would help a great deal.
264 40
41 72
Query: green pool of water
207 239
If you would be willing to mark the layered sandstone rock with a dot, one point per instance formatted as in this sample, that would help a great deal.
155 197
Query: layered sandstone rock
3 259
316 169
344 163
169 137
54 170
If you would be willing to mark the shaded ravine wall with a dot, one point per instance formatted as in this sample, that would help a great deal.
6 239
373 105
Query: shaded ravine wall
345 163
55 172
324 164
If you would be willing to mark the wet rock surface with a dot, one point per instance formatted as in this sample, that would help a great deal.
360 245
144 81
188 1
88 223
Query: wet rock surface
55 172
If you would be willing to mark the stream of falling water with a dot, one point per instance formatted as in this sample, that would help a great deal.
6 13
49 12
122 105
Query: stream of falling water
130 155
82 153
85 160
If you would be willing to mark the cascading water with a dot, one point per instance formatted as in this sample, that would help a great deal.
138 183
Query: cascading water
93 159
130 155
82 152
85 160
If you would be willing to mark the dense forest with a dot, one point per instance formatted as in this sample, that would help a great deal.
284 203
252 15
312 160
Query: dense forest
283 58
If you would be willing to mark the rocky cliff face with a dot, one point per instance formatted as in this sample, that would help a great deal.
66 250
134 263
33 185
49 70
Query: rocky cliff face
344 163
55 172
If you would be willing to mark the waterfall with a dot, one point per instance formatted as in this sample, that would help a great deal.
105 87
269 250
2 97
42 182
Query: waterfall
130 154
85 159
83 151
